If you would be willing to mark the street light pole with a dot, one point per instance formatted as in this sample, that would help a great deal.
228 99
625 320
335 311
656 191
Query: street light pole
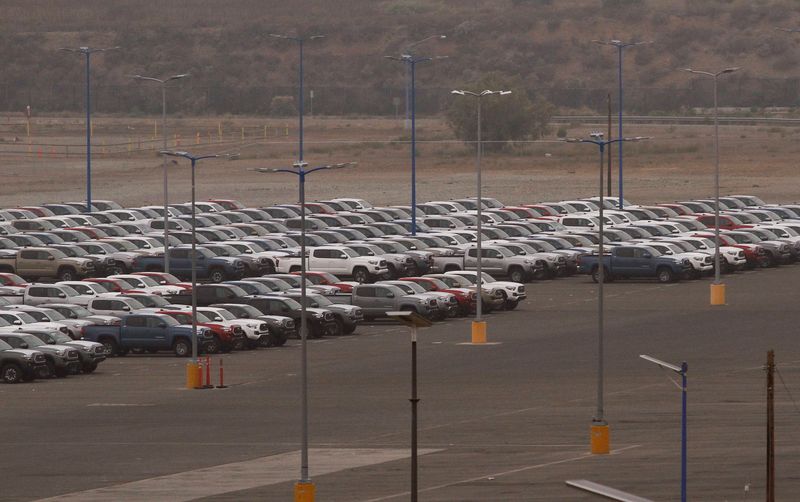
88 51
682 370
410 63
304 488
620 45
193 159
478 325
300 42
163 84
717 288
410 79
599 430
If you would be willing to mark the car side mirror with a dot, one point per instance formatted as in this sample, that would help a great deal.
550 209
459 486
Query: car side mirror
62 295
51 258
590 225
23 345
162 325
389 295
17 322
343 256
126 308
230 296
647 255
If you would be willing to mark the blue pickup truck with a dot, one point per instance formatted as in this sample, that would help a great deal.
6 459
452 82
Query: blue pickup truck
209 266
151 333
635 261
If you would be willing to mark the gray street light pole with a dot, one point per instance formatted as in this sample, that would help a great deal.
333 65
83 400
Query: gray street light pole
163 84
620 45
193 159
717 288
600 433
88 51
478 325
304 489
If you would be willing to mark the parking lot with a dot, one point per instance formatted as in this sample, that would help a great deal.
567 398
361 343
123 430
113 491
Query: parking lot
504 421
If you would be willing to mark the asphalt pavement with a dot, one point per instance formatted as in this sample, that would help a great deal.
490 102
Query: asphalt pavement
504 421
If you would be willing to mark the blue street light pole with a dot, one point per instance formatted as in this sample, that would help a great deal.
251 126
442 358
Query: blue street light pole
682 370
193 159
620 45
88 51
301 170
599 437
300 42
411 65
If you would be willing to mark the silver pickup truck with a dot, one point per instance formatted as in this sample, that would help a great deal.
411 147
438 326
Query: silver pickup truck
495 260
378 299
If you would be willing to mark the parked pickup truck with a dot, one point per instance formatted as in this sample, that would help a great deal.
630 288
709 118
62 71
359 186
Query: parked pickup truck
42 262
21 364
338 260
378 299
635 261
495 260
209 266
150 332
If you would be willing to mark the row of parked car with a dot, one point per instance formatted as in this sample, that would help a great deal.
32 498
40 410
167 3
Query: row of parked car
111 289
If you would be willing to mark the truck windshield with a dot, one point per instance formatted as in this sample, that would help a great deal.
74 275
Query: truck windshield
32 341
505 252
292 304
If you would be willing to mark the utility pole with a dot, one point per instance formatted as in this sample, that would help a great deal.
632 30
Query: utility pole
609 150
771 426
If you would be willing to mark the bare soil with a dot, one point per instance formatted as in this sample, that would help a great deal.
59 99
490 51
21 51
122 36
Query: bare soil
676 164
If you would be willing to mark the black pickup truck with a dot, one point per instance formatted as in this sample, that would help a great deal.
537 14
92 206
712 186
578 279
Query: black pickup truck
21 364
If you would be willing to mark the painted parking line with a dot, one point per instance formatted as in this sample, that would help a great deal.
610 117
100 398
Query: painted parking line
226 478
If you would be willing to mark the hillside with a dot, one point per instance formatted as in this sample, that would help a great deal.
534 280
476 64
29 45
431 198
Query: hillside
237 68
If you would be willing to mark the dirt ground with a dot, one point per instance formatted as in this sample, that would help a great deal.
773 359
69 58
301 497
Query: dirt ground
676 164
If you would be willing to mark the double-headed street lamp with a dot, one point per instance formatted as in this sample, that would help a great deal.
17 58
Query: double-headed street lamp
717 288
304 489
300 42
620 45
478 325
681 370
88 51
163 82
410 62
408 50
600 434
193 159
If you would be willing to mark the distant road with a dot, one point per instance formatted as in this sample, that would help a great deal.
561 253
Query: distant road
645 119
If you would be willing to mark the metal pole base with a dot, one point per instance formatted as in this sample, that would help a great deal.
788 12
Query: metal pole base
304 491
717 294
478 331
194 376
600 438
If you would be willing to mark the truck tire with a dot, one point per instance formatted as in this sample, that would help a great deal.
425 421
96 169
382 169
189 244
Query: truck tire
154 268
89 368
214 346
118 268
516 274
511 305
451 268
67 274
182 347
112 349
216 275
542 273
596 275
360 275
392 272
12 373
665 275
294 268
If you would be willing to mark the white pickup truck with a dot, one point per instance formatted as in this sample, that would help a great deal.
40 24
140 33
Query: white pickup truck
338 260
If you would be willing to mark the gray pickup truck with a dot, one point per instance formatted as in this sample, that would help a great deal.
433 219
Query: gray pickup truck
378 299
495 260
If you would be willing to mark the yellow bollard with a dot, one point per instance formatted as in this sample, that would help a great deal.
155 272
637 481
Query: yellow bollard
304 492
600 439
193 376
478 331
717 294
197 138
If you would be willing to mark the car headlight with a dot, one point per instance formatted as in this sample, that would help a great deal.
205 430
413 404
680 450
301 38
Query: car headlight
26 357
61 352
373 262
64 330
318 315
86 349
